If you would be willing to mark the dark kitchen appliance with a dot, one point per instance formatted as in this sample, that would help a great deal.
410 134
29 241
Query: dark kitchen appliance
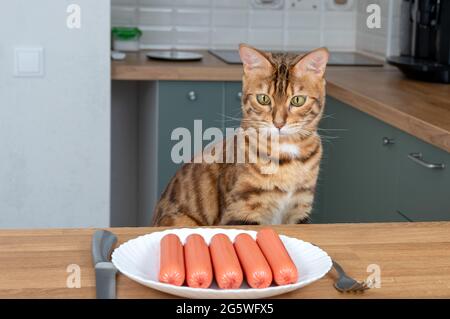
336 58
425 40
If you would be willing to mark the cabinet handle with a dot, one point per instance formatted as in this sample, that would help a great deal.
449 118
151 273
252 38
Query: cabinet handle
239 96
192 96
388 141
418 158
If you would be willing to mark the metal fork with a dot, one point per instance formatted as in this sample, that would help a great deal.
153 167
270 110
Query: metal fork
347 284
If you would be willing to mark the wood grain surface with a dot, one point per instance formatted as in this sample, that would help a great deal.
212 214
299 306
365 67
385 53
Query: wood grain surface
414 259
137 66
418 108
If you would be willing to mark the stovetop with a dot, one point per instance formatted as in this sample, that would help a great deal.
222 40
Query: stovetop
336 58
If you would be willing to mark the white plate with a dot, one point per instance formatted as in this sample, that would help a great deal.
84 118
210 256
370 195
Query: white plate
138 259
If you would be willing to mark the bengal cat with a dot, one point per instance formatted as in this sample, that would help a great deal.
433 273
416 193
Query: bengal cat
284 96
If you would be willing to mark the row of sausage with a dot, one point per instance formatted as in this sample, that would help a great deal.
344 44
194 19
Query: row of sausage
261 261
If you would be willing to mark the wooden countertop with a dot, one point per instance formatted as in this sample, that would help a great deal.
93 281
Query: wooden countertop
418 108
414 259
137 66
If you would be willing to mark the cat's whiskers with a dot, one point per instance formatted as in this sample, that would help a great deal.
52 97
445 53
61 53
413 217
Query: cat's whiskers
299 129
229 117
328 137
326 116
332 129
236 196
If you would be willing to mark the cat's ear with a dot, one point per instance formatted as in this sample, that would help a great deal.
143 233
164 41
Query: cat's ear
314 62
253 59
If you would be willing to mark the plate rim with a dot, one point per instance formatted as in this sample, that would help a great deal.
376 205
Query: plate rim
275 289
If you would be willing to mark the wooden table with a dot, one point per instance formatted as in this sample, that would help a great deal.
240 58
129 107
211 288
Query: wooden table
414 259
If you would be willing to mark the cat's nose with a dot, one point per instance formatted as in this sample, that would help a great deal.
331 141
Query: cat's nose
279 125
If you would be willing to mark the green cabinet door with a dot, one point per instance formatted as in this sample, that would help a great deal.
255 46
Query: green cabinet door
180 103
233 113
423 192
357 178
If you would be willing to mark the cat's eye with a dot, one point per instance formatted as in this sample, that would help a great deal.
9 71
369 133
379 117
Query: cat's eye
263 99
298 100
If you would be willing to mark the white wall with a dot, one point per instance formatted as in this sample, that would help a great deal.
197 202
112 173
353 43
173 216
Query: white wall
134 160
55 130
125 153
300 25
148 145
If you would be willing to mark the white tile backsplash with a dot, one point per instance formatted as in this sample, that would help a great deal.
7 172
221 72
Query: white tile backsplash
153 3
266 38
231 3
303 40
223 38
300 25
192 37
339 40
192 17
305 5
191 3
335 20
157 37
230 18
124 15
301 20
124 2
155 16
266 19
383 41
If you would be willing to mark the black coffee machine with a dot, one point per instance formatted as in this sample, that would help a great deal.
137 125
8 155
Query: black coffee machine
425 40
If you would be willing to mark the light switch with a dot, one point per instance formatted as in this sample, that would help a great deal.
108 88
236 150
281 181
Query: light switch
29 62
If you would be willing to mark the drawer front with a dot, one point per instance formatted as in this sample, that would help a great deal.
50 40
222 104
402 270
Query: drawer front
357 177
423 191
180 104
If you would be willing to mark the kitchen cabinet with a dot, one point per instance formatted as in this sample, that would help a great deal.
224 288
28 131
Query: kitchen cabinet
180 103
423 189
233 95
368 173
357 177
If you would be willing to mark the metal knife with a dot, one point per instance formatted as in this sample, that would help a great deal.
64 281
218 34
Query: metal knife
105 273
